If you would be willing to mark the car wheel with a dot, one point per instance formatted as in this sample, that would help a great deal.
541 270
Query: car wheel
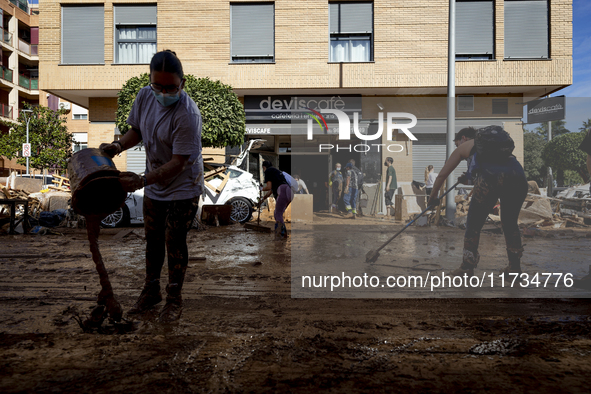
118 218
241 209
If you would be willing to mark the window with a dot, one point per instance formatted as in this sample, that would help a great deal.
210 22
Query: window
526 29
351 32
252 32
474 29
80 141
500 106
135 33
83 34
465 103
79 113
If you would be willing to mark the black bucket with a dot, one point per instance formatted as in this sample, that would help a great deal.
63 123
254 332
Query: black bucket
95 185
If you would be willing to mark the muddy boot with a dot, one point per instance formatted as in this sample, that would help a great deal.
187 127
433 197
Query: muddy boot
277 231
464 269
283 232
149 297
174 304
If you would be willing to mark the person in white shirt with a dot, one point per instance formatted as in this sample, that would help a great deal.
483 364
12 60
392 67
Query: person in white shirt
430 176
301 185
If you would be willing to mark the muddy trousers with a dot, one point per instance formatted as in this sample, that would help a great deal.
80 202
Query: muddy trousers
166 225
284 197
507 183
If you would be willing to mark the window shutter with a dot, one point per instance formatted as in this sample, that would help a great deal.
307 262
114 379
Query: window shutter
83 34
253 30
526 29
474 28
500 106
347 18
135 14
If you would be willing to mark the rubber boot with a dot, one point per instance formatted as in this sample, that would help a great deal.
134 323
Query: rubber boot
283 232
174 304
469 262
149 297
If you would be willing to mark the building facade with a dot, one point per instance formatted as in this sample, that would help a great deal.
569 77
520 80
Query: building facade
19 78
374 56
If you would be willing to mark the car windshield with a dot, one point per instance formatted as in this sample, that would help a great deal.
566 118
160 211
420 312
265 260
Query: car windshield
234 173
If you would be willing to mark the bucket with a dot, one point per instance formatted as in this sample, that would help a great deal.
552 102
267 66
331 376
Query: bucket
94 181
363 200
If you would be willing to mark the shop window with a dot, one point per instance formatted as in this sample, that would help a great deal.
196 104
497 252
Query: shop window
351 31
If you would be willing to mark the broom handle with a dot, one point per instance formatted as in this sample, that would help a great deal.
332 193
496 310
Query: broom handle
421 214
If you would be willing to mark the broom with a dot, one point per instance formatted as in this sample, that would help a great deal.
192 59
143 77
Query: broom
373 255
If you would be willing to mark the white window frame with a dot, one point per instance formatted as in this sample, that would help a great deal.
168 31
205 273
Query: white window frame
351 36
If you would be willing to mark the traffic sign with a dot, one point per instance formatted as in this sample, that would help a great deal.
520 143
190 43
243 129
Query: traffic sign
26 150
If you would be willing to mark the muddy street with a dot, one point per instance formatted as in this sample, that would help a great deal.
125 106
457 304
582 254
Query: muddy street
241 330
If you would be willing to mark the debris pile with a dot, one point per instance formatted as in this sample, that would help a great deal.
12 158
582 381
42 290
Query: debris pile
34 207
571 208
47 207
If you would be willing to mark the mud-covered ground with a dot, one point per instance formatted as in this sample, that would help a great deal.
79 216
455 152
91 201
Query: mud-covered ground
241 331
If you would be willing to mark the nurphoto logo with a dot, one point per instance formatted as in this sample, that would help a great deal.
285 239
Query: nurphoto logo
344 133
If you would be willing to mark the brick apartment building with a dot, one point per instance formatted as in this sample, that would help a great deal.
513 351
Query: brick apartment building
19 76
371 55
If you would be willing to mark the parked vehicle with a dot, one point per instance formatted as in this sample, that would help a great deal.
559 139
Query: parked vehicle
241 191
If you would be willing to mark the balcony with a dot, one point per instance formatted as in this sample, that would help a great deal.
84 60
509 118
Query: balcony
6 74
7 37
6 110
22 4
29 49
28 83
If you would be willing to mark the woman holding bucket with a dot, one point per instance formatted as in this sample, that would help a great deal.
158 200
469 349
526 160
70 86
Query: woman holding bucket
168 122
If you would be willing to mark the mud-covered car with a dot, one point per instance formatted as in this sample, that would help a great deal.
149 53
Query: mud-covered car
241 191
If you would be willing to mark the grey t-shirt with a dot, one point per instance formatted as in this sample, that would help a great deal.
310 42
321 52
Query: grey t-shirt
175 129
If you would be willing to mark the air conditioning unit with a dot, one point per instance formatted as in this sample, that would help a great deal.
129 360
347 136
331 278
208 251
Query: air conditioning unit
64 105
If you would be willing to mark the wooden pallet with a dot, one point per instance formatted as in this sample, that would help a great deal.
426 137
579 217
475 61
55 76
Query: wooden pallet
60 182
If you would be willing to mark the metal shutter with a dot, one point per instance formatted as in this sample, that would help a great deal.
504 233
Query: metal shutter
83 34
351 18
474 27
430 149
526 29
253 30
136 160
135 14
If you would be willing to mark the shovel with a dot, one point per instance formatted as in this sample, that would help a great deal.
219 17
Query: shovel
373 255
258 226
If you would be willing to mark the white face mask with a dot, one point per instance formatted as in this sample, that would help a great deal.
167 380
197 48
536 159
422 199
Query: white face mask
338 168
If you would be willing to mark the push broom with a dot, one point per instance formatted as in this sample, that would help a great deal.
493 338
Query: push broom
373 255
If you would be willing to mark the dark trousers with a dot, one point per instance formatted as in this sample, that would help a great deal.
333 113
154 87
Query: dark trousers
336 193
389 194
166 225
505 182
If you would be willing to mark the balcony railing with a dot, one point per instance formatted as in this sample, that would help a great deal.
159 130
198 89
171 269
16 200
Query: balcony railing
6 110
28 83
22 4
6 74
7 37
30 49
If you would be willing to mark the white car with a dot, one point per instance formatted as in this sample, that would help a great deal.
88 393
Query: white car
241 191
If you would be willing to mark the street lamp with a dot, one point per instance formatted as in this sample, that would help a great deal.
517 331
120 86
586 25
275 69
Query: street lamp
25 111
